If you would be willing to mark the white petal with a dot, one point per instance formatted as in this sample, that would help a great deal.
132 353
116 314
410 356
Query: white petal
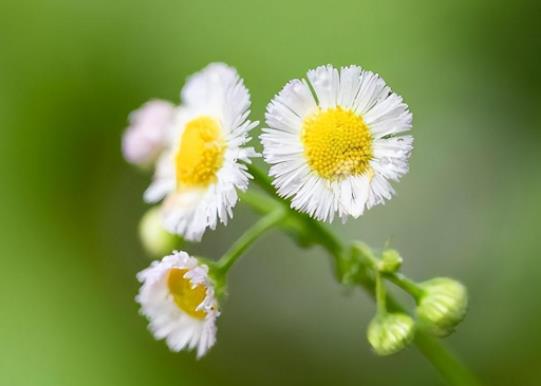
324 80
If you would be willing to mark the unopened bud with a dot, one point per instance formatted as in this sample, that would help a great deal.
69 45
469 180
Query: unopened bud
390 333
442 306
390 262
146 137
155 239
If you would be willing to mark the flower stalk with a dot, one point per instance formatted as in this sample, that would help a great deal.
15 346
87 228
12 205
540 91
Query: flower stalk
447 364
381 296
266 223
406 284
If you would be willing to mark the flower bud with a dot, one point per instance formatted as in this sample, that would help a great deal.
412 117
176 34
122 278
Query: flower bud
155 239
390 332
146 136
442 306
390 262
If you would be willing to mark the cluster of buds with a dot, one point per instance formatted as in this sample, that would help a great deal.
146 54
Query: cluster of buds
441 304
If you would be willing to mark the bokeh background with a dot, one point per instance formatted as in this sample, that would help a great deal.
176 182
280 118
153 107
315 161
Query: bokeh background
70 71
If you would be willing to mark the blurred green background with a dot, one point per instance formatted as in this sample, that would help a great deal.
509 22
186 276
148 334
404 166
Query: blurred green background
70 71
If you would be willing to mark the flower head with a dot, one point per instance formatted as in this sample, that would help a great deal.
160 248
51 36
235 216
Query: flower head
146 136
335 149
201 170
177 296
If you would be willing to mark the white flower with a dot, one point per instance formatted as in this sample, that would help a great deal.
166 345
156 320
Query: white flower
177 297
145 138
335 149
200 172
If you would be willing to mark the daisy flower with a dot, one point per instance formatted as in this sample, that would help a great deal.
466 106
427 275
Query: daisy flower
146 135
333 141
200 172
177 296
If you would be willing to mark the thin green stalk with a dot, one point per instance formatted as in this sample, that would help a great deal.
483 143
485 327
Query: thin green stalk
263 204
448 365
406 284
380 295
262 179
248 238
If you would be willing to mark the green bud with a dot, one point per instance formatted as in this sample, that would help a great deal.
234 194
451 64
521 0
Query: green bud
390 262
390 332
442 306
156 240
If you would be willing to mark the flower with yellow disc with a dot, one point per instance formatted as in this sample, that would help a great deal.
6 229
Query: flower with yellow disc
204 165
178 298
334 141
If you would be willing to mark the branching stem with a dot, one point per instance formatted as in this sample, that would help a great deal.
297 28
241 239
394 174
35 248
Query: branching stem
448 365
248 238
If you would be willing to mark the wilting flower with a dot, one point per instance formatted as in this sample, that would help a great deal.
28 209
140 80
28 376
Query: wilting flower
146 136
200 172
177 296
334 150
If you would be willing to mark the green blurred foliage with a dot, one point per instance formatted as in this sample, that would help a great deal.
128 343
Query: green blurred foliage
70 71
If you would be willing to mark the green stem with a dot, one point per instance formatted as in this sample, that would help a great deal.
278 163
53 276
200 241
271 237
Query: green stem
448 365
380 295
262 179
406 284
397 278
248 238
263 204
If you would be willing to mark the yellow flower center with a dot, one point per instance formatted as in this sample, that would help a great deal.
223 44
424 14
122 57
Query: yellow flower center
186 298
337 143
200 154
